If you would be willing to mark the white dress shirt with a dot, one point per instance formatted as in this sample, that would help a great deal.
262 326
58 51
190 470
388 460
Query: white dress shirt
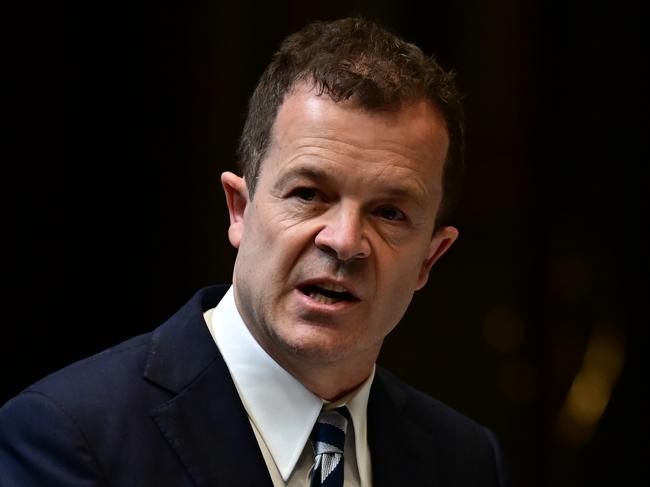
281 410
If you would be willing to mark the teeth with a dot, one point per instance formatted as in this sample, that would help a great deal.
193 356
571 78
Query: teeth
333 287
319 298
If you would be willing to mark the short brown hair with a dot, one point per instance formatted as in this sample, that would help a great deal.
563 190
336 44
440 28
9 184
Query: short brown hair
346 58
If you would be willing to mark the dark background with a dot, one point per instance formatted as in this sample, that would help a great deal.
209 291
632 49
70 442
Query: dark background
123 116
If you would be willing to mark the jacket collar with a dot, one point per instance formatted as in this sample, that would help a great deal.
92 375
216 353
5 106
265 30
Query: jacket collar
204 422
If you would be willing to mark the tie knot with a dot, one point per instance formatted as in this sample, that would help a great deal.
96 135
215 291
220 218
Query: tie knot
328 438
328 435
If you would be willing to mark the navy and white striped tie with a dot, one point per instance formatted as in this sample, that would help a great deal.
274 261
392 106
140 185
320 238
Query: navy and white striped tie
328 440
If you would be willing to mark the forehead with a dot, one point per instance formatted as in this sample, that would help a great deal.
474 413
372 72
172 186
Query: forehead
419 121
418 127
409 142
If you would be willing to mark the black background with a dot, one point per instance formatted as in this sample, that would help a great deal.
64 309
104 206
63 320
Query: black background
121 118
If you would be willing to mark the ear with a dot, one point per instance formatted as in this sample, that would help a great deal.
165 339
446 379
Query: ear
440 242
236 198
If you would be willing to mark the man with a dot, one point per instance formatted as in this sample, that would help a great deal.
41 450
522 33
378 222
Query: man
349 152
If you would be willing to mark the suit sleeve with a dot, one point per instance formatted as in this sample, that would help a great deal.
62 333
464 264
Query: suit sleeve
40 444
501 466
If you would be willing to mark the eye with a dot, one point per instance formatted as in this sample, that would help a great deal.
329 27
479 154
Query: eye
305 194
390 213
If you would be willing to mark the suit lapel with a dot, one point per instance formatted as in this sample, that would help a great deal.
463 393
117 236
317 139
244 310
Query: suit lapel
401 454
205 422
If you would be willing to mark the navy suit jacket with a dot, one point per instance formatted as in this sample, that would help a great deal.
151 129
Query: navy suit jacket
162 410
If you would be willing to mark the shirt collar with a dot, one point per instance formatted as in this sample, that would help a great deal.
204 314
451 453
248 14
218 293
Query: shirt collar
283 410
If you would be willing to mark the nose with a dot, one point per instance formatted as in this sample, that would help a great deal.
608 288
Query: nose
342 235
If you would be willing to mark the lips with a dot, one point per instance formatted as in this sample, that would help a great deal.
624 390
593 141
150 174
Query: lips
327 292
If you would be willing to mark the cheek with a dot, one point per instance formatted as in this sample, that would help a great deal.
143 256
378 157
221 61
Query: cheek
399 270
269 250
261 229
398 279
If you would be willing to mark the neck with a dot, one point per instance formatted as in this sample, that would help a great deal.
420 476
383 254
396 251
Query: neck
329 378
329 381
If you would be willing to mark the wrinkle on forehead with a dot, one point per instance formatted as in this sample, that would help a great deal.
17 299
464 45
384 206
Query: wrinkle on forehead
380 151
342 153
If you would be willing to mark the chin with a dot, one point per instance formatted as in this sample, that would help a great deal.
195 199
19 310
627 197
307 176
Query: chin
331 348
319 346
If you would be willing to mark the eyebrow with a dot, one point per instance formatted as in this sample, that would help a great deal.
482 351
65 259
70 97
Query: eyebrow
316 174
303 172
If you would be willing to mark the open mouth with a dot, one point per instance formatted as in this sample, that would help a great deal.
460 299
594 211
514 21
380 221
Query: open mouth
327 294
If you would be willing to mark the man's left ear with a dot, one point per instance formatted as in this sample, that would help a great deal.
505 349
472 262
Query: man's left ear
237 199
440 242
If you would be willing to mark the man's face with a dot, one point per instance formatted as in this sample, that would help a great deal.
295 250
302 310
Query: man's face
338 235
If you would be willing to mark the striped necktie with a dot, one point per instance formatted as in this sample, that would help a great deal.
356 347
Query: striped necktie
328 440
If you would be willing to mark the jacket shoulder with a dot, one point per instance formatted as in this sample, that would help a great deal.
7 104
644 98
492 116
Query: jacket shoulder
100 374
468 449
424 410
